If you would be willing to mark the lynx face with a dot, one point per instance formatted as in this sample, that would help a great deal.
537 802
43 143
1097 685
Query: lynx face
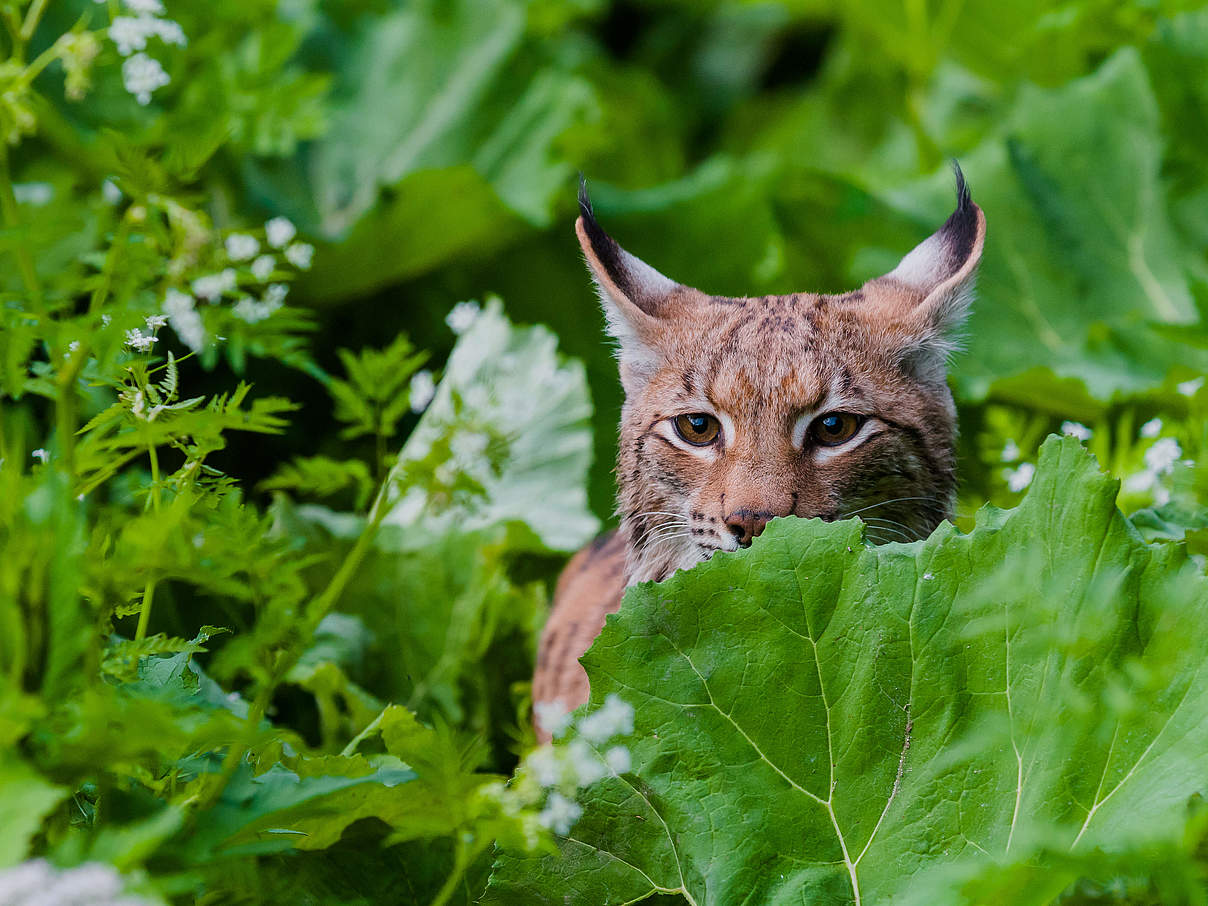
739 410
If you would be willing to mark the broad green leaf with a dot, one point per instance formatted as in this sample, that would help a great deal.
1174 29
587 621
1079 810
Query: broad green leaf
1081 253
283 809
26 797
450 111
822 722
508 382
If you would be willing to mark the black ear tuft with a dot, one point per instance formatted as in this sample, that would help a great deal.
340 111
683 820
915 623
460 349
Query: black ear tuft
584 201
960 229
610 255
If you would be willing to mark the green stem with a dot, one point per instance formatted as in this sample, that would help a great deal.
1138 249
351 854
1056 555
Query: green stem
44 59
144 614
8 207
463 857
102 289
318 608
31 19
12 21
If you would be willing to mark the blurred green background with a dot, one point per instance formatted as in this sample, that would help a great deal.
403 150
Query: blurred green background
430 150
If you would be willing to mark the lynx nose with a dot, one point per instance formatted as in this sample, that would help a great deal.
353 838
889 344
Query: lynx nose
745 524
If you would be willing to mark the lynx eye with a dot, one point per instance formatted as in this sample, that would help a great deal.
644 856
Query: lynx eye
835 428
697 428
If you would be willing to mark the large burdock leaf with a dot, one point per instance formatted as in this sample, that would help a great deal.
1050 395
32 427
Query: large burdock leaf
821 722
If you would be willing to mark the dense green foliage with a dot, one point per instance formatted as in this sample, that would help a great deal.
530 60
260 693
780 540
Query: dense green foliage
281 510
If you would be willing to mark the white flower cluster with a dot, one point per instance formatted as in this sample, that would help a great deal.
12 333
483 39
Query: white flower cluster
38 883
141 74
279 233
139 341
242 249
563 769
1159 462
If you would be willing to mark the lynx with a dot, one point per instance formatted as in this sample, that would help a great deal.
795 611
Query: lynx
739 410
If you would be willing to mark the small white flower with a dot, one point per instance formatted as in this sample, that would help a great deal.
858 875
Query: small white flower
1019 478
148 7
1161 457
110 192
462 317
1010 451
106 320
560 814
614 718
142 75
1189 388
299 254
34 193
279 231
1140 482
130 33
247 309
618 760
155 322
242 247
213 287
263 267
586 763
423 388
170 32
41 454
275 294
544 765
73 346
138 340
552 717
1076 429
1152 428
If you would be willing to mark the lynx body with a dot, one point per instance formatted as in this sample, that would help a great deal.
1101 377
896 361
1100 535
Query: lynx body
739 410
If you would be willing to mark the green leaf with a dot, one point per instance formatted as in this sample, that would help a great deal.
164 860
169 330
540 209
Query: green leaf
445 109
1081 253
283 809
25 799
823 722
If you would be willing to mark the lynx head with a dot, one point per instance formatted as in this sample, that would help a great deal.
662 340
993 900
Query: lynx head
739 410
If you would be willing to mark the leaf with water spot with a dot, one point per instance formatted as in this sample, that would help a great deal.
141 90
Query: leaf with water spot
820 722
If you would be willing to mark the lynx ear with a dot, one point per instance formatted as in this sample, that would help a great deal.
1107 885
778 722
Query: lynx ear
635 296
940 274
